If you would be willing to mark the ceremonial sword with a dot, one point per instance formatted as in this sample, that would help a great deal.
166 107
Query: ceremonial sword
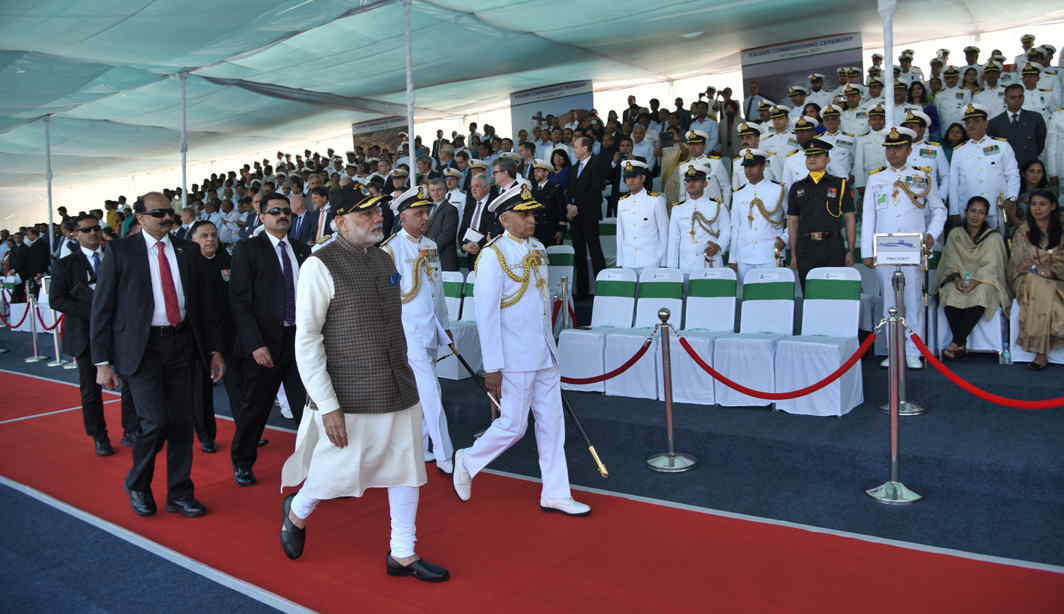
565 403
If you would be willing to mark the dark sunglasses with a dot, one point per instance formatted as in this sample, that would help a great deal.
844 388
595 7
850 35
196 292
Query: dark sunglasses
88 229
278 211
160 213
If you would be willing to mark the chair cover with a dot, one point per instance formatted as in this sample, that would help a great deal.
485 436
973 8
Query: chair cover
987 336
749 357
658 288
461 325
1056 356
709 315
830 320
871 298
582 351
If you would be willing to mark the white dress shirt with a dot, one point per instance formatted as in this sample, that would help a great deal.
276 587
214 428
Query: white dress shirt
158 315
88 254
274 241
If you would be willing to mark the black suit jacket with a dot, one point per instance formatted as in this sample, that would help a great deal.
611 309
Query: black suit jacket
1027 138
549 218
309 230
256 294
585 190
70 293
38 257
122 304
489 222
443 229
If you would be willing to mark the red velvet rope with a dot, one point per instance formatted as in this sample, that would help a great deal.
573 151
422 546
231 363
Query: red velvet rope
612 374
779 396
554 316
45 326
572 315
24 314
979 392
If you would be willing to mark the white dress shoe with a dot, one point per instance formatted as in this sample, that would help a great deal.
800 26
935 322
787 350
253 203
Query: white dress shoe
569 507
886 363
463 482
445 466
914 362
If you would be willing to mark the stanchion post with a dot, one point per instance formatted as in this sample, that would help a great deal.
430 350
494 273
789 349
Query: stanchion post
893 491
565 303
31 313
58 362
906 407
669 461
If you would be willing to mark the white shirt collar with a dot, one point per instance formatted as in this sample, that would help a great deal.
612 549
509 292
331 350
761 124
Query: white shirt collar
151 241
274 240
88 252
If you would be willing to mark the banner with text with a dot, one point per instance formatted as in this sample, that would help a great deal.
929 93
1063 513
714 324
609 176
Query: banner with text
777 67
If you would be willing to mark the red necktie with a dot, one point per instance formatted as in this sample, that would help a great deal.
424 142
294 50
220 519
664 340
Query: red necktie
173 311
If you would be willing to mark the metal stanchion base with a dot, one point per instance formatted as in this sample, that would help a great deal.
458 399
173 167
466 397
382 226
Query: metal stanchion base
55 363
676 462
893 493
907 408
70 364
3 350
36 358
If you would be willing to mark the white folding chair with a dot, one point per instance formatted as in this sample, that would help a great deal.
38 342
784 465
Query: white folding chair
871 298
1056 355
458 295
608 240
987 336
709 315
830 318
749 357
658 288
582 350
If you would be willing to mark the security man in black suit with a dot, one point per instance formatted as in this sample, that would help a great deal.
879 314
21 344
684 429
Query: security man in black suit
262 294
550 218
584 212
151 314
71 294
1025 130
821 216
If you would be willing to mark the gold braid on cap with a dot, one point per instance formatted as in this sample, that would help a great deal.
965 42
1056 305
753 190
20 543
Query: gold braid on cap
531 264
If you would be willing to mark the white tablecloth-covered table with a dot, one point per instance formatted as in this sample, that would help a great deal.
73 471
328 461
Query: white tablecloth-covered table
19 309
812 358
747 360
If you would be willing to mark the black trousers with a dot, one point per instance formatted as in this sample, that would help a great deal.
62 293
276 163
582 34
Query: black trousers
203 404
585 233
260 389
130 421
813 254
163 393
234 381
962 321
92 401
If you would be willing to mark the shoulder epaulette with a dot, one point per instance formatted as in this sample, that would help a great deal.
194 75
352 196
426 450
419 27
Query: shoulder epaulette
385 242
492 242
678 203
1045 89
624 196
792 153
716 200
865 133
934 143
847 133
776 182
880 169
714 157
926 169
655 194
1001 138
738 188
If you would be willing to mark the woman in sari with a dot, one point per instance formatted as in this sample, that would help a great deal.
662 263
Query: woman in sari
972 275
1037 275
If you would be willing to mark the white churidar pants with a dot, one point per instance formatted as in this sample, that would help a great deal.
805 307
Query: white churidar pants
914 303
540 390
402 505
423 364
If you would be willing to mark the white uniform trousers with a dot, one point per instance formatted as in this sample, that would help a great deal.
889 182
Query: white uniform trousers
914 302
434 419
540 390
402 506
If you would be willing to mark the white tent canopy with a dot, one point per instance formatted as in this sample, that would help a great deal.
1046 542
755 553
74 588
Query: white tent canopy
262 71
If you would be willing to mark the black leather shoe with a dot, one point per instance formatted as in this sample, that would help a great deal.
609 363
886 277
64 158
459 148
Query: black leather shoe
142 501
244 477
420 569
263 442
292 537
188 507
208 447
129 439
103 447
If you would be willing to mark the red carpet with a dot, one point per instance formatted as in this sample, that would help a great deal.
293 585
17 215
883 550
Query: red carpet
505 555
26 396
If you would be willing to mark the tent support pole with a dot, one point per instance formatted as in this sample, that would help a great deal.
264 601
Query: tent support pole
48 176
886 11
184 139
410 92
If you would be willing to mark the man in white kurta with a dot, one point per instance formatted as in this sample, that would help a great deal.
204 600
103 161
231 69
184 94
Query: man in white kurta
757 217
642 222
982 166
424 314
351 353
895 201
521 366
699 226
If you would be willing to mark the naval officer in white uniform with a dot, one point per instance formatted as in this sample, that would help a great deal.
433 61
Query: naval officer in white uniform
642 221
982 166
424 314
699 226
512 305
757 217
